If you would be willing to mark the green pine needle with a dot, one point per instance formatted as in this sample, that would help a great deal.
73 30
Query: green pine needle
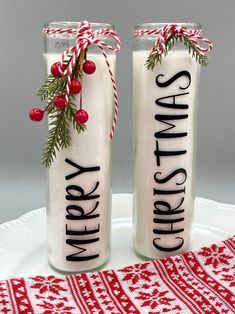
59 136
52 87
60 120
154 57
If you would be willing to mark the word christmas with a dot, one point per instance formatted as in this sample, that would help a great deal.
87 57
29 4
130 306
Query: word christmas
166 215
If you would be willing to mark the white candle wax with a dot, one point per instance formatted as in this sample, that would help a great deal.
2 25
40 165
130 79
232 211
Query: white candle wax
156 216
91 148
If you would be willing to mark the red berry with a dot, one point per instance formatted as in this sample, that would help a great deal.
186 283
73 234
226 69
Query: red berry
75 87
81 116
89 67
60 102
36 114
55 69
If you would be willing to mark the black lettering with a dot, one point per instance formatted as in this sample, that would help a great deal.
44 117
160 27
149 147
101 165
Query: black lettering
76 212
76 256
168 192
167 221
163 118
80 195
79 168
173 79
171 175
160 153
165 214
168 249
82 233
164 208
172 105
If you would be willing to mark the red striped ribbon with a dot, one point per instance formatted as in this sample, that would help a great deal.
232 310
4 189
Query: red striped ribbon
164 33
85 37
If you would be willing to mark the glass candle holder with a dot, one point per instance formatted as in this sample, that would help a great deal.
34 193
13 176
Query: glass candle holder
79 186
165 105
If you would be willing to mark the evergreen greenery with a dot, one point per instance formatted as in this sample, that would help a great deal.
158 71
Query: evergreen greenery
60 120
154 58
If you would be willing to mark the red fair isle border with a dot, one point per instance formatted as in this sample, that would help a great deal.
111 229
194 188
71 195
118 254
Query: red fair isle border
177 290
21 297
209 281
202 282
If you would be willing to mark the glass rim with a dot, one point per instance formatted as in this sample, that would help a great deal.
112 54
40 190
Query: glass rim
72 24
160 25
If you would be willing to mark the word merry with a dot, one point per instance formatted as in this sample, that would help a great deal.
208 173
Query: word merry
166 225
75 212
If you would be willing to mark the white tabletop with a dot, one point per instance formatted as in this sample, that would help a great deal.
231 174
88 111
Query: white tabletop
23 241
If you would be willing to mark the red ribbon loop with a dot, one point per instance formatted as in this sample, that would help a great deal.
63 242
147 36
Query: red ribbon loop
164 33
85 37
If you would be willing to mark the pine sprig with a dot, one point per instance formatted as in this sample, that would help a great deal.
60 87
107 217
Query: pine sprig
60 120
58 137
200 57
155 57
51 87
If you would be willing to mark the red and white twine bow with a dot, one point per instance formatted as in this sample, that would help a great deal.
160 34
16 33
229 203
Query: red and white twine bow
85 37
164 33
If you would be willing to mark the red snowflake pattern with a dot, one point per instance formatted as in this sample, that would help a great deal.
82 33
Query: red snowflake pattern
137 272
156 287
154 298
228 275
56 308
215 255
167 310
229 278
48 284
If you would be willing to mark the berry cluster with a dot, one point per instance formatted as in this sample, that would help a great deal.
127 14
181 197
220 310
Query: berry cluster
81 116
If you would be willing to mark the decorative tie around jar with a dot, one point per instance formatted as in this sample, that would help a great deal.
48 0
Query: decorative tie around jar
82 102
166 66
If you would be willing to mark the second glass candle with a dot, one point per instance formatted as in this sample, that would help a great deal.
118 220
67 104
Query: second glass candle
165 101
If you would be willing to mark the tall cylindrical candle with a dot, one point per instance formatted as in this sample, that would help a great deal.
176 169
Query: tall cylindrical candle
79 187
165 101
